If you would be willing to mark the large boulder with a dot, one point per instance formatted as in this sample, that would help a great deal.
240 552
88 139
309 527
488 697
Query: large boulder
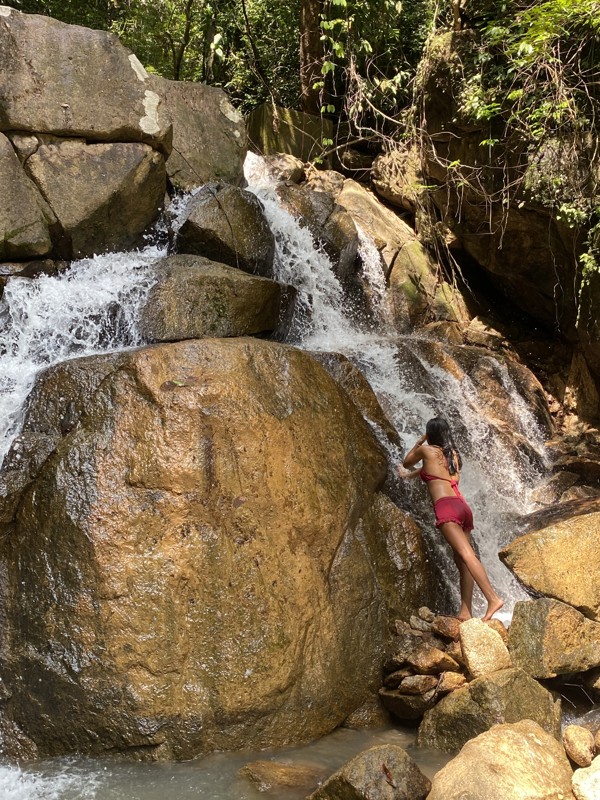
586 782
184 571
104 195
195 298
509 762
209 134
483 648
72 81
227 224
554 560
25 219
549 638
385 772
506 696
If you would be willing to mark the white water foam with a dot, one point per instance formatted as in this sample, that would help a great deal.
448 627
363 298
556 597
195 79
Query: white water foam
17 784
498 481
90 308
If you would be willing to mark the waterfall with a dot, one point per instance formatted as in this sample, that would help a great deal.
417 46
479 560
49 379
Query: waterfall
498 481
92 307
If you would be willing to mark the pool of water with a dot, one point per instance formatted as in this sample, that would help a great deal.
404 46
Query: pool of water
213 777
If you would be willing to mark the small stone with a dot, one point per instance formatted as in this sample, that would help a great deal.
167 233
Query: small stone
393 680
449 681
448 627
418 684
586 781
266 775
454 650
406 706
483 648
426 614
579 744
418 624
499 627
597 742
431 661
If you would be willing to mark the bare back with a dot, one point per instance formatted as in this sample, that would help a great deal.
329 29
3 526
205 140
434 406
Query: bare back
434 463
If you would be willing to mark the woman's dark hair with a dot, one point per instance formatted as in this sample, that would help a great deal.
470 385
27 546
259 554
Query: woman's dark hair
439 434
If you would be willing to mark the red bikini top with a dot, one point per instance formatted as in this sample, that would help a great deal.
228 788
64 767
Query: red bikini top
453 483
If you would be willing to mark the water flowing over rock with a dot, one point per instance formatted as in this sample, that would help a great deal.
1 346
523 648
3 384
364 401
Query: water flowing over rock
381 773
196 298
209 134
195 479
227 224
554 560
104 195
506 696
509 762
548 638
72 81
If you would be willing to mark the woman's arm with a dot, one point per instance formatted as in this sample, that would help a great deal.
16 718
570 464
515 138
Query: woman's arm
405 475
415 454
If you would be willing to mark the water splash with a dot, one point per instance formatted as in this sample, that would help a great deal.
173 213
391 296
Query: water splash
92 307
410 384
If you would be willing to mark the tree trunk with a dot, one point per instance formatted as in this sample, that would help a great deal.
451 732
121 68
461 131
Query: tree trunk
311 55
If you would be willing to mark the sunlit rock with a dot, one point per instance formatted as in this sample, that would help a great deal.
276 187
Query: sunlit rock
483 649
209 134
586 782
549 638
507 696
382 772
227 224
103 195
25 218
554 560
520 761
196 298
579 744
72 81
185 571
268 776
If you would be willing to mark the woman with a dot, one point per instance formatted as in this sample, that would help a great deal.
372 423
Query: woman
441 471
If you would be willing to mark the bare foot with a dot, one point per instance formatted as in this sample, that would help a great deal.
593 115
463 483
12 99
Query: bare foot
493 606
464 617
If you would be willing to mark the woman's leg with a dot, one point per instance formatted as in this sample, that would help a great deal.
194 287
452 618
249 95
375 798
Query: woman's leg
460 544
466 588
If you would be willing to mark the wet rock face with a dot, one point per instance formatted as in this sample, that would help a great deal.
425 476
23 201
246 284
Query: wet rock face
185 573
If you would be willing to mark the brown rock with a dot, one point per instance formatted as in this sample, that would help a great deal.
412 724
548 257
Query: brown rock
406 706
548 638
449 681
448 627
418 684
431 661
498 626
380 773
454 650
555 561
394 679
520 761
426 613
507 696
579 744
597 741
483 648
195 298
128 575
267 775
103 195
227 224
586 782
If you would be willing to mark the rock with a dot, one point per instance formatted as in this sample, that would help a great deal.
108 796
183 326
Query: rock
509 762
267 775
454 650
403 646
227 224
548 638
483 648
350 378
450 681
127 575
103 195
370 714
407 706
418 684
500 628
597 741
274 129
75 82
426 614
195 298
586 782
579 744
385 772
431 661
418 624
554 560
209 134
447 627
285 167
394 679
25 219
397 177
507 696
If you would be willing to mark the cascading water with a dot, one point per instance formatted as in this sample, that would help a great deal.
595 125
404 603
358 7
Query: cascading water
497 480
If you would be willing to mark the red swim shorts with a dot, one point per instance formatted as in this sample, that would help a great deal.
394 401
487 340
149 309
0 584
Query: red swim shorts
453 509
